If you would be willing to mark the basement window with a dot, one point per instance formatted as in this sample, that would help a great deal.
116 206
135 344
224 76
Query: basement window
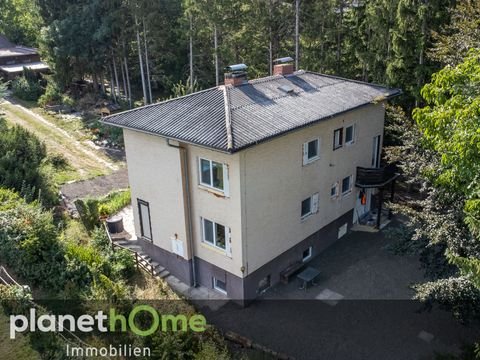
220 286
307 254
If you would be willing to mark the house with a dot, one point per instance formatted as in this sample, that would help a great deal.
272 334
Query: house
14 58
234 184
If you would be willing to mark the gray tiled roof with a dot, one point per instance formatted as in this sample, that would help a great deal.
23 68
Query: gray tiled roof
252 112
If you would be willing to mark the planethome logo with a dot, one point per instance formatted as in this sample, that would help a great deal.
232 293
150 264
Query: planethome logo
110 322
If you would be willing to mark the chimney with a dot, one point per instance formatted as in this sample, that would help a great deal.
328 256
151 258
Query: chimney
283 66
236 74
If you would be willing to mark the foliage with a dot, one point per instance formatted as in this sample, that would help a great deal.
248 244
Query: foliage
3 90
91 209
457 295
21 157
19 21
26 88
29 244
455 39
52 94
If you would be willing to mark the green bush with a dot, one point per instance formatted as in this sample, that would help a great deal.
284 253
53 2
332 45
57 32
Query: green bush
26 88
51 96
29 244
21 159
123 264
91 209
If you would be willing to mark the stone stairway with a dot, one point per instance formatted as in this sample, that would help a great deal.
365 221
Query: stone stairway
144 260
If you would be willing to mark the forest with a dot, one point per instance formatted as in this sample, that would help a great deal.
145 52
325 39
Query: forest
138 52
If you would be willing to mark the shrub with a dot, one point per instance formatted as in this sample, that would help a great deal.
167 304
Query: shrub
123 264
29 244
21 158
26 88
91 209
51 96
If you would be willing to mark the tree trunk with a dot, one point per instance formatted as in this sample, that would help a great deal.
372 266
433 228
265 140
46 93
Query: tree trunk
117 90
149 84
122 69
129 89
140 60
112 90
102 83
215 44
191 53
297 33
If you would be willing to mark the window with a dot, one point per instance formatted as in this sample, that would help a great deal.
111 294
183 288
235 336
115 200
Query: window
337 138
264 284
307 254
347 185
144 214
213 174
220 285
334 190
309 206
350 134
342 230
216 235
311 151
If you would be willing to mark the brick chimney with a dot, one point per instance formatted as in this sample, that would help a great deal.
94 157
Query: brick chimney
236 74
283 66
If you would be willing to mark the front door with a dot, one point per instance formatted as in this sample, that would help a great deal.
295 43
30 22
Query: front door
376 151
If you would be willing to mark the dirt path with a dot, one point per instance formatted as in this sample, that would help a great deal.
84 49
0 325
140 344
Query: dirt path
81 156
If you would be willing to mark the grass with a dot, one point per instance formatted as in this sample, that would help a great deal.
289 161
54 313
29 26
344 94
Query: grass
18 348
83 161
114 202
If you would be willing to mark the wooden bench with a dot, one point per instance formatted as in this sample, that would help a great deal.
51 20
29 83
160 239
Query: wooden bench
291 270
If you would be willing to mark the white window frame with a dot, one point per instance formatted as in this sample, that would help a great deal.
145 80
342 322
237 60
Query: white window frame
350 187
228 240
354 130
336 186
216 288
310 253
340 138
313 206
306 159
226 188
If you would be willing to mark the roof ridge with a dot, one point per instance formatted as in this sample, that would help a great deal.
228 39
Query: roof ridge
228 120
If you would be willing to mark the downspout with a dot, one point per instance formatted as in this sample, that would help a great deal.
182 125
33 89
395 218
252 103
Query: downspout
186 178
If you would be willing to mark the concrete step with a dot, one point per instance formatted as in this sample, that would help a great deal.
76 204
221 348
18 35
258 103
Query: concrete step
136 248
163 274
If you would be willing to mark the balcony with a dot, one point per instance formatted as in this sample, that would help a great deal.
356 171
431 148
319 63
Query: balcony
375 177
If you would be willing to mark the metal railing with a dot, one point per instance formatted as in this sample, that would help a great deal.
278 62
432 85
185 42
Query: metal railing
140 262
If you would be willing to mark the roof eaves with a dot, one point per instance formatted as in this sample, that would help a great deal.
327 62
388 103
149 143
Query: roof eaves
155 104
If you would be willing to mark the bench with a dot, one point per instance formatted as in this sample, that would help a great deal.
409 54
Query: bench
291 270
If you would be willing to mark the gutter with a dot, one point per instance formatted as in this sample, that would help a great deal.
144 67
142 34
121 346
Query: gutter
186 178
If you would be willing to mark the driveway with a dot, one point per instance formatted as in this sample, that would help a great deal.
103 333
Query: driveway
359 309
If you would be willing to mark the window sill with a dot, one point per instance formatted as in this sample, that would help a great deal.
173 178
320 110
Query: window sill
215 249
312 160
338 147
350 143
346 193
305 217
216 192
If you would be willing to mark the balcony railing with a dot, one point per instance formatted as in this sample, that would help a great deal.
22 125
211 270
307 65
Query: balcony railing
375 177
